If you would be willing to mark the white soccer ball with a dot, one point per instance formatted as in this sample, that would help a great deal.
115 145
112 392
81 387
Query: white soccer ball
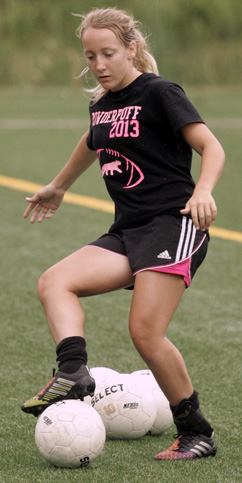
70 434
164 418
100 374
127 409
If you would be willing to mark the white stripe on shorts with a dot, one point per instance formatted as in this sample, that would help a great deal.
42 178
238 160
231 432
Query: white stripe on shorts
186 241
192 240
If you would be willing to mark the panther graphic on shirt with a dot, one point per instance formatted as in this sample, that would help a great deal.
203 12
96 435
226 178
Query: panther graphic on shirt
119 166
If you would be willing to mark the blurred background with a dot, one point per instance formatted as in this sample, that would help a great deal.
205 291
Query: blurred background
196 42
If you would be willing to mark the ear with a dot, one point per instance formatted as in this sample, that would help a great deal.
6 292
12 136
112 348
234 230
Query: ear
132 50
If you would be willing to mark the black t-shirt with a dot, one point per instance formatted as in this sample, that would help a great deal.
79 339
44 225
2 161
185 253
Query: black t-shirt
144 160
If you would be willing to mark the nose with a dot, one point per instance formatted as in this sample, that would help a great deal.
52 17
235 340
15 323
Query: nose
100 65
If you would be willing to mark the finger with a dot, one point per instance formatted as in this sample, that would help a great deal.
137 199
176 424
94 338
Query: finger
202 217
33 202
37 210
214 212
186 210
210 214
43 214
206 216
195 218
50 214
194 215
33 199
29 209
46 213
214 216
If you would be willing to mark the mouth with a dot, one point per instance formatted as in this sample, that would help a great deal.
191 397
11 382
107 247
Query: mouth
103 78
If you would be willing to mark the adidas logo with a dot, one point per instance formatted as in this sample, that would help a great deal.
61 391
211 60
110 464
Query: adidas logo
165 255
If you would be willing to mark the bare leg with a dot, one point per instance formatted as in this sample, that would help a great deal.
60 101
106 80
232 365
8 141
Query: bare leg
88 271
155 299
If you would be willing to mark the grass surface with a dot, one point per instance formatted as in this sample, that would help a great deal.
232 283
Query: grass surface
206 327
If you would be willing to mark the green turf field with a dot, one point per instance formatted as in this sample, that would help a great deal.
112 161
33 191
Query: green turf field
35 142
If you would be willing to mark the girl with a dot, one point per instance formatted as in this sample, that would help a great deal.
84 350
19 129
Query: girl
143 129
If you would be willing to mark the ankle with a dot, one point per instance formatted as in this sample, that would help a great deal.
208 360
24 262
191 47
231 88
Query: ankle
189 418
71 354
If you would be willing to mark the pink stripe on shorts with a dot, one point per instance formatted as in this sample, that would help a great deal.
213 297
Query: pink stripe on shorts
181 268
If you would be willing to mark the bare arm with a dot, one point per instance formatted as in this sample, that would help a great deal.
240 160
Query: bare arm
81 158
46 201
201 205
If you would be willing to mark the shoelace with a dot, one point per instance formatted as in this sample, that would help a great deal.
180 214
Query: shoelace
179 443
47 385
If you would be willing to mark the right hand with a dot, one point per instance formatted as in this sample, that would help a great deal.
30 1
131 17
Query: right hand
44 203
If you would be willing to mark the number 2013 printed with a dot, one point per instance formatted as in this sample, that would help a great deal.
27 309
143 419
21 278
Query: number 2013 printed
124 129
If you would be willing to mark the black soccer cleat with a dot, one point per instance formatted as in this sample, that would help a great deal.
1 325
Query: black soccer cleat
188 447
62 386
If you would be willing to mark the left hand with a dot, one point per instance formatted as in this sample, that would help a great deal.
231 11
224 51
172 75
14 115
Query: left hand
202 208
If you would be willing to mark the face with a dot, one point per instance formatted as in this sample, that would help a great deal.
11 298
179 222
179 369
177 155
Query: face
109 61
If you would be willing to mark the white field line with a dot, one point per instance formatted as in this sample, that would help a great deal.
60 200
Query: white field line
28 124
44 124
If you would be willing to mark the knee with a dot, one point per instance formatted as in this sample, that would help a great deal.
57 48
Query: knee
141 337
148 339
45 284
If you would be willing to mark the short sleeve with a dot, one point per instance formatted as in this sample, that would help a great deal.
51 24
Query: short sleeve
178 108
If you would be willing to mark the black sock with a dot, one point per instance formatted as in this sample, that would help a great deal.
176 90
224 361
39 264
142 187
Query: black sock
193 398
71 354
189 418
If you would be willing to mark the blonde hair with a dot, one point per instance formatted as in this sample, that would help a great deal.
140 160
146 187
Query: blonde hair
126 30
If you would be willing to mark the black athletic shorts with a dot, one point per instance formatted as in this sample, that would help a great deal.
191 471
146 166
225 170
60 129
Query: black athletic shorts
167 243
